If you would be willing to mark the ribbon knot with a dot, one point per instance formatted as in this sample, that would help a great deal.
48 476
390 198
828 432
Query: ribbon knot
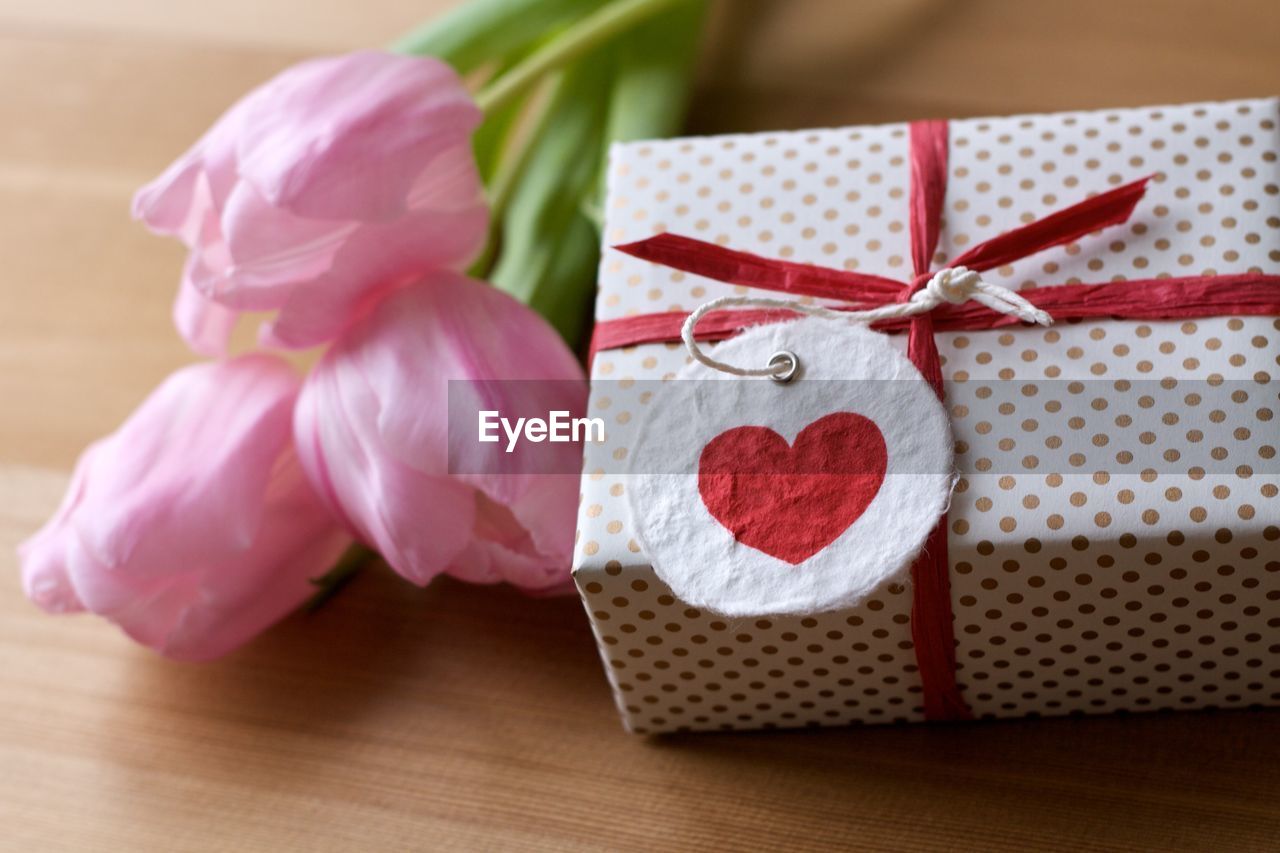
960 284
952 284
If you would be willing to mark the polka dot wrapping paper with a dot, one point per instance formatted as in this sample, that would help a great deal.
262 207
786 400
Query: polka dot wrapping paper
1114 536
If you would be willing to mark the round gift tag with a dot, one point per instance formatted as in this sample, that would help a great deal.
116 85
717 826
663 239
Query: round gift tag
755 497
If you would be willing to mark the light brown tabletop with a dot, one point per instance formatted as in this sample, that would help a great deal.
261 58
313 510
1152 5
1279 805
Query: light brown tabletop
475 717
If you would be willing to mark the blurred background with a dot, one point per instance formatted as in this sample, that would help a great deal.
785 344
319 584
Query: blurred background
473 717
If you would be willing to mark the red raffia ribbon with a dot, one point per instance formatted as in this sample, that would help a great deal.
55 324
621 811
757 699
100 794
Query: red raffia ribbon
932 630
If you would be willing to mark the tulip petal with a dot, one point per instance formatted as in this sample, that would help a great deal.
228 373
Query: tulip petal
166 204
43 555
204 324
201 610
546 508
319 311
464 330
336 138
148 500
172 203
450 327
193 526
372 425
418 523
327 187
504 551
271 250
450 182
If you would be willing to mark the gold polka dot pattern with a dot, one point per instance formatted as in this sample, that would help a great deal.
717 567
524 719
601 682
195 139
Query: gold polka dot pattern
1082 580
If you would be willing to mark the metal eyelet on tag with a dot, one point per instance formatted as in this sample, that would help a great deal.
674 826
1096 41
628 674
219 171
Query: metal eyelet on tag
788 358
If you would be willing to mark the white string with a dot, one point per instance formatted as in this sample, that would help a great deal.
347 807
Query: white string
953 284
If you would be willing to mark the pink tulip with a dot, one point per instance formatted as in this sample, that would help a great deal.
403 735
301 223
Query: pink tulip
372 429
340 179
192 527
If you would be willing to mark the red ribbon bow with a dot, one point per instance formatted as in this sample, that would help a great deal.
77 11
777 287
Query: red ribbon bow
1167 298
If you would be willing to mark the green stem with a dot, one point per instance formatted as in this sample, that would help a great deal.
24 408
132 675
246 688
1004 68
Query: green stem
479 32
586 34
504 178
504 181
327 585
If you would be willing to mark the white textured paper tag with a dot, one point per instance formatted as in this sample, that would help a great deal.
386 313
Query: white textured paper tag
753 497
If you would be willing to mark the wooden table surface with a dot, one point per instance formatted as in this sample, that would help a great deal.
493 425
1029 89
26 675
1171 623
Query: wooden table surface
461 717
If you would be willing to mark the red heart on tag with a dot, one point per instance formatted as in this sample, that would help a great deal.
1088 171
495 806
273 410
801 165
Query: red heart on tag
791 501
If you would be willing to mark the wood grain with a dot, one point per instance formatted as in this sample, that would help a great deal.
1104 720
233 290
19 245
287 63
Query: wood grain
458 717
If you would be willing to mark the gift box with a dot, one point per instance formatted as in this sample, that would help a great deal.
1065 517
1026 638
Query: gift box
1112 539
